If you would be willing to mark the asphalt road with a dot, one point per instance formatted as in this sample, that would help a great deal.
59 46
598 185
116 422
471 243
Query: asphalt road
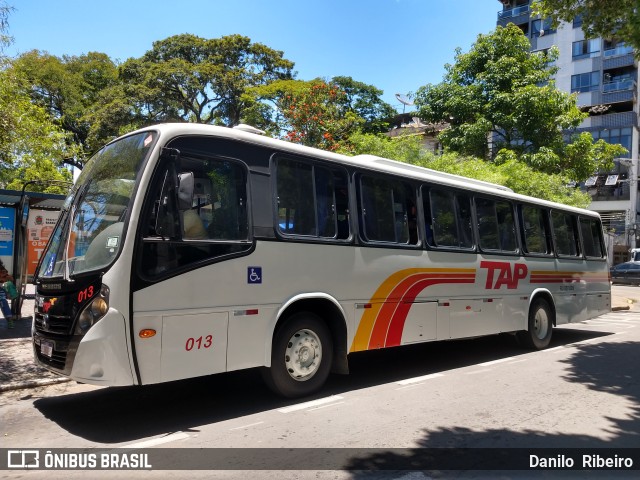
583 392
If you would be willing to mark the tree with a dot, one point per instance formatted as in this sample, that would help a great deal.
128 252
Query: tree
499 97
321 113
5 39
32 146
311 113
68 87
366 102
512 173
600 18
192 79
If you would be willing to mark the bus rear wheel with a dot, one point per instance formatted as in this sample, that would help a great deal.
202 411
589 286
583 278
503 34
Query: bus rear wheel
540 327
300 357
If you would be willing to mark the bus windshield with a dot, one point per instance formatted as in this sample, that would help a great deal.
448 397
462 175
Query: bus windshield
89 234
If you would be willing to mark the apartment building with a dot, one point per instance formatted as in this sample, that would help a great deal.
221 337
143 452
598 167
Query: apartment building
603 73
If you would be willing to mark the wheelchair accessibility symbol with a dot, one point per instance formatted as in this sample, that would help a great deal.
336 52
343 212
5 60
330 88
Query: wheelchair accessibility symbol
254 275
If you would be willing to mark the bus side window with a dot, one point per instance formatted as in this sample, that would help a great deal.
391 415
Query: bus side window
565 234
312 201
535 230
450 219
592 237
428 221
388 208
496 226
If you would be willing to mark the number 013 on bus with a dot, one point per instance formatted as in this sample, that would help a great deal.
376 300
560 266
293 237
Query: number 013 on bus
186 250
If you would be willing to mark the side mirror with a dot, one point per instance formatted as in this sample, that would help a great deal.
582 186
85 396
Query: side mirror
185 190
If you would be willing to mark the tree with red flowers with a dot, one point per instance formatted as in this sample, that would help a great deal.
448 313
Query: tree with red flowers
322 113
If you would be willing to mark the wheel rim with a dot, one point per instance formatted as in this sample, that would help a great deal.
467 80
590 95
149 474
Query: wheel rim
303 355
541 323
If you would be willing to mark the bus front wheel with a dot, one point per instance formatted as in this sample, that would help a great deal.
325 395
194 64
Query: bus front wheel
540 327
300 357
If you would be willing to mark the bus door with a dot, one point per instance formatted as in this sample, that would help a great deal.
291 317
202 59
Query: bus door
189 221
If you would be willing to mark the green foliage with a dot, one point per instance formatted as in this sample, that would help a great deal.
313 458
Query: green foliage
67 88
5 39
500 102
510 172
322 113
32 146
310 113
365 101
190 79
617 19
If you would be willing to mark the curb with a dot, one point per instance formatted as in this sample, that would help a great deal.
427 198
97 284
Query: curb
32 384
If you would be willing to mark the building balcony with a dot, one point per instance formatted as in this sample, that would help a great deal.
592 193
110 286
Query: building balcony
618 85
513 12
613 120
607 188
618 50
621 61
517 15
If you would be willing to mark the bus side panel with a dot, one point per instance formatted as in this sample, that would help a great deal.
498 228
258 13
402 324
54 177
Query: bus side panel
193 345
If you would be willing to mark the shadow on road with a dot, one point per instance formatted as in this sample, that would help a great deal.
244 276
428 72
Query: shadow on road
610 368
125 414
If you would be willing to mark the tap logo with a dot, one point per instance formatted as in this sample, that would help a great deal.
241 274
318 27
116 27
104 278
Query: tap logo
23 459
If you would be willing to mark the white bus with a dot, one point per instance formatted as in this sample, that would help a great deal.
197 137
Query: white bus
186 250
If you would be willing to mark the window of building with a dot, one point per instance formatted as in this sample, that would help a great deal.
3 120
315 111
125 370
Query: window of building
565 234
592 237
496 226
388 211
577 21
535 229
585 48
585 82
447 218
312 200
621 136
541 27
613 48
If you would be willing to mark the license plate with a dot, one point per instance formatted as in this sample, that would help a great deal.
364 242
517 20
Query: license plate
46 348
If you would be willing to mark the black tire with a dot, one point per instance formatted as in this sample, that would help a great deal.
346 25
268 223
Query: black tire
540 327
301 356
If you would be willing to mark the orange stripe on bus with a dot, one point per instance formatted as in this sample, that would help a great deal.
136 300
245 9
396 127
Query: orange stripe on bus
374 324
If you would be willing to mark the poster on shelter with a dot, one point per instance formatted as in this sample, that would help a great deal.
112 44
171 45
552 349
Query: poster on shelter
7 229
39 228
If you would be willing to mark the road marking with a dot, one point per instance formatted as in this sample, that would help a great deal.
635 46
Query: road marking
508 359
409 381
313 403
158 441
246 426
554 349
413 385
585 342
325 406
479 371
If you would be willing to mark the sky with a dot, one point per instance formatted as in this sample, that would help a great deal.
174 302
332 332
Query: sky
394 45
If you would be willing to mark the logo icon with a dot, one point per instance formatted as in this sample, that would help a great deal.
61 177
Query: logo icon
23 459
254 275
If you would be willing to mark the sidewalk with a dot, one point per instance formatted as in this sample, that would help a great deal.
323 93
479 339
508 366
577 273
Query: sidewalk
18 369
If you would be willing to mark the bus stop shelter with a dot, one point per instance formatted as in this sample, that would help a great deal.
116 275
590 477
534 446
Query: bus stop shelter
26 222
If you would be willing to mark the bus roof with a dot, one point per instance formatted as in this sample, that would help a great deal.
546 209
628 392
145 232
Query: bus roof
370 162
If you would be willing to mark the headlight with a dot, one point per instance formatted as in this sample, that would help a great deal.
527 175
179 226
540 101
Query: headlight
94 311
